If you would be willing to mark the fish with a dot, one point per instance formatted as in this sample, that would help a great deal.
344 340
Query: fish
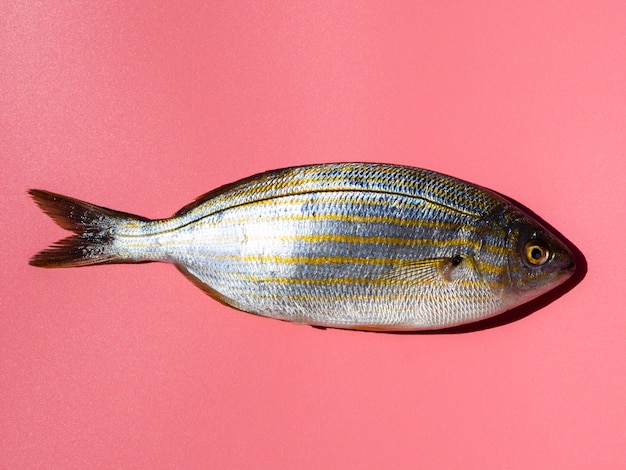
363 246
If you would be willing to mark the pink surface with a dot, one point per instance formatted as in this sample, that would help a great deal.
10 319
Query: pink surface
142 108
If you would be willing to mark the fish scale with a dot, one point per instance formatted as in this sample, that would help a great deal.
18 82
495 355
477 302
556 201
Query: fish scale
349 245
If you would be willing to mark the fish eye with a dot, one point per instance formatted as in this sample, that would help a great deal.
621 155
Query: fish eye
536 253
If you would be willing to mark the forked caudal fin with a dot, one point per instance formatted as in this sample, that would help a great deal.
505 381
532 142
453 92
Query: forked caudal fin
94 227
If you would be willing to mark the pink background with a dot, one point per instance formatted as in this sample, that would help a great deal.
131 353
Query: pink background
142 108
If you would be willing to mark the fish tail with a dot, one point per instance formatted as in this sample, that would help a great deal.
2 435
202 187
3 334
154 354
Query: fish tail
94 227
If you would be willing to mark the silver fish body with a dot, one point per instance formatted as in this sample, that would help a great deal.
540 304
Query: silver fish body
348 245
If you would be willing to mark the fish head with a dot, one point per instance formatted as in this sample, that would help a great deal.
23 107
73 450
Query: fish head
538 260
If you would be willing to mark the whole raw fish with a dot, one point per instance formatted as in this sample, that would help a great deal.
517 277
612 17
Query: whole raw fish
347 245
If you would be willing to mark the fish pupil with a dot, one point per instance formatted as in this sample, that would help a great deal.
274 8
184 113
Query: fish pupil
536 253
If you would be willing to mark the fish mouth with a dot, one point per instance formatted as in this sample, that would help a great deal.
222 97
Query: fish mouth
564 261
563 267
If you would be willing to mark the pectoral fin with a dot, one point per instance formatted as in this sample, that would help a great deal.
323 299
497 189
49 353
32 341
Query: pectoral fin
426 270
